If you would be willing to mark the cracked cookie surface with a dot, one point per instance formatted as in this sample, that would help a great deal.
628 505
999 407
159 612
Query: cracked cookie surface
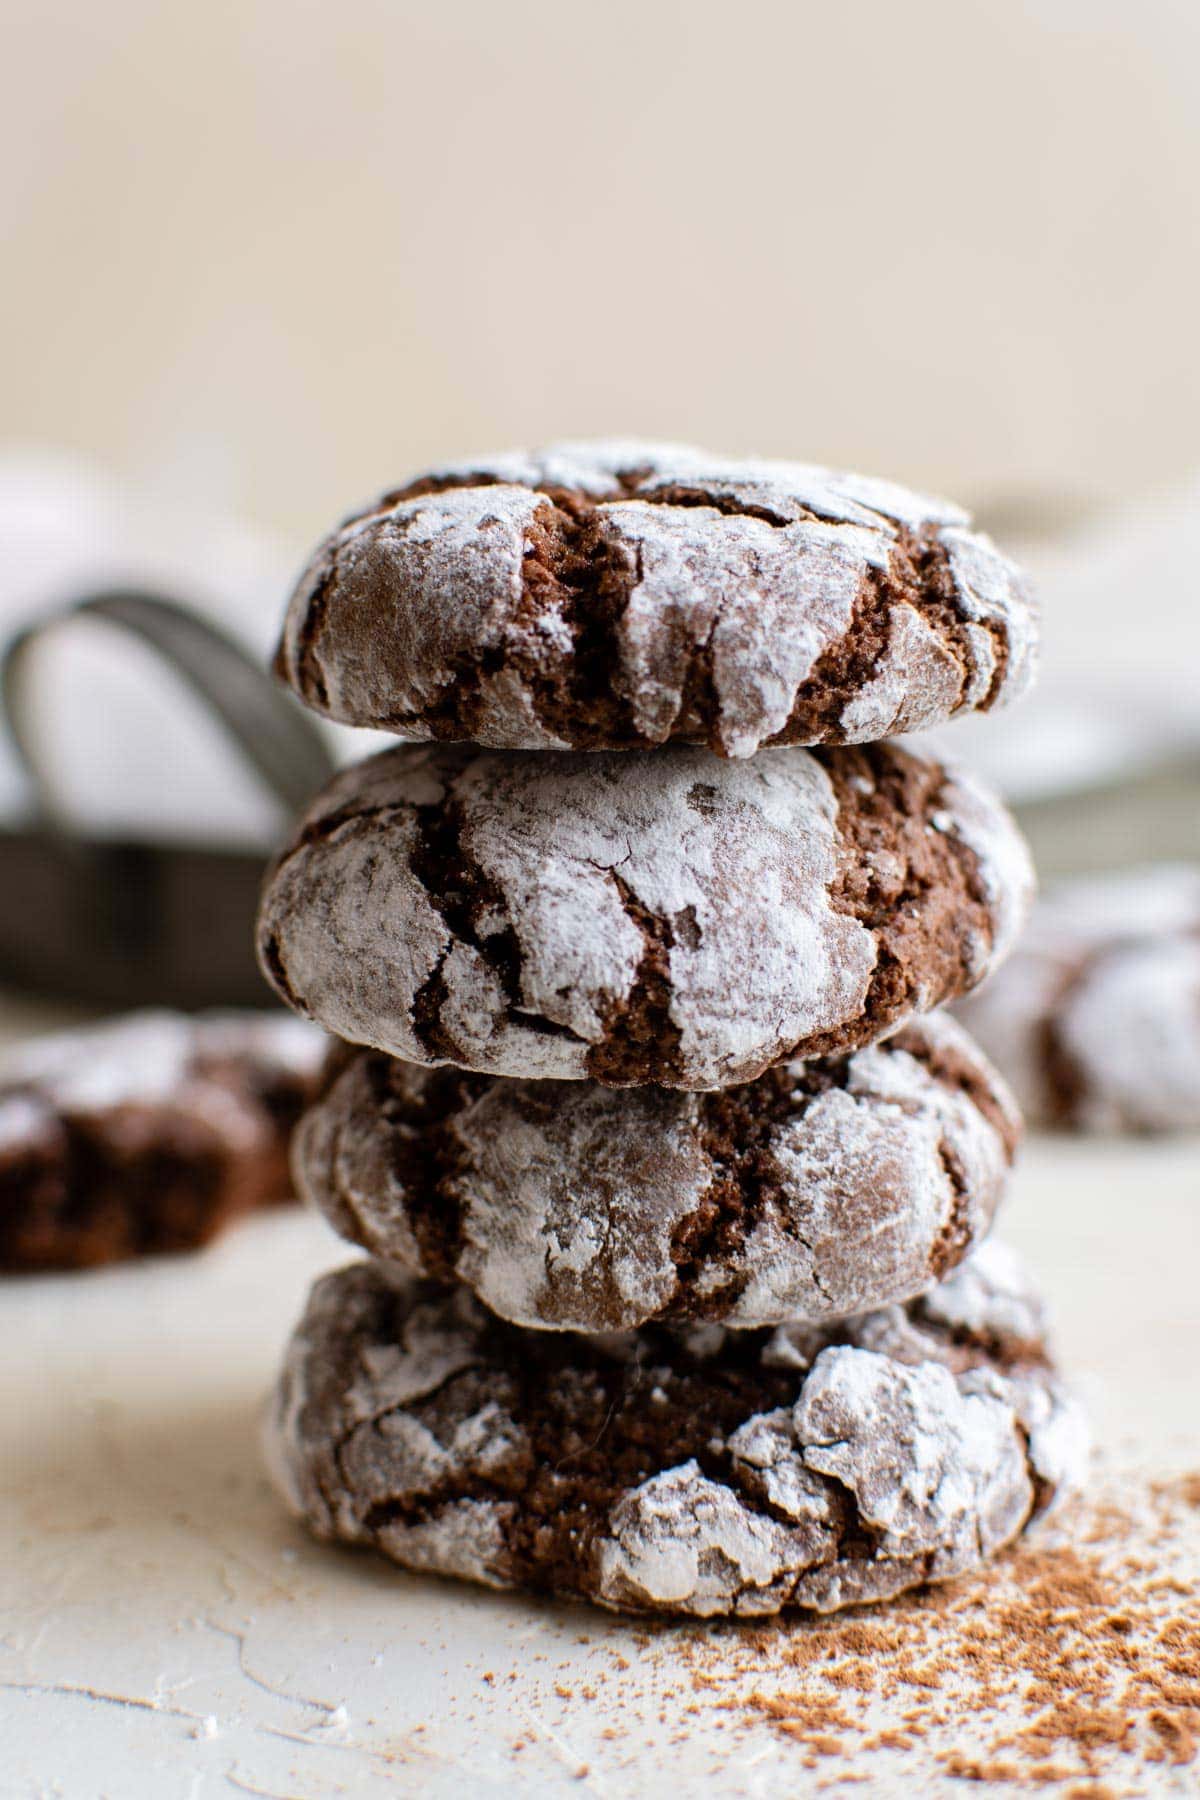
624 595
1096 1019
680 1472
147 1134
668 918
821 1189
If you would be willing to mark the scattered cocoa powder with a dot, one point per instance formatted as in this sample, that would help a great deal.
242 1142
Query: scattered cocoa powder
1069 1666
1188 1489
1073 1659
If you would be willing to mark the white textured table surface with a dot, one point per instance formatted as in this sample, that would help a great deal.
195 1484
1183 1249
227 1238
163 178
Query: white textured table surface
165 1631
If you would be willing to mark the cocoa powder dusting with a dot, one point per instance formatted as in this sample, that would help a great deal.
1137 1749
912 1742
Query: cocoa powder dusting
1074 1661
1071 1665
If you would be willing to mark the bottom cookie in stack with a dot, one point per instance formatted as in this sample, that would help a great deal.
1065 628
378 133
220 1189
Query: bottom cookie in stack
696 1471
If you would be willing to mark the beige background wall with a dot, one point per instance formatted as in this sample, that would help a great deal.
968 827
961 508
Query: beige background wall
278 251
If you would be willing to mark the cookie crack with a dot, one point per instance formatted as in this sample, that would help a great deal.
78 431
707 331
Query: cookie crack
320 830
310 676
736 1127
572 572
1043 1490
426 1159
640 1041
699 709
599 1279
956 1235
979 1346
422 1509
916 887
856 1539
379 1328
459 712
936 594
271 957
817 1281
428 1005
946 1064
629 484
467 900
918 575
682 494
575 570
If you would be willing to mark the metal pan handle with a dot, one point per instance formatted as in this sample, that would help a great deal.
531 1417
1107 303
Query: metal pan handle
282 745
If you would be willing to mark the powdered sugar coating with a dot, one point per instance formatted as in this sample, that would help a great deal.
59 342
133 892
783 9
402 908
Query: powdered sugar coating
618 595
667 918
1096 1018
813 1193
1002 861
936 1468
990 1292
24 1119
863 1470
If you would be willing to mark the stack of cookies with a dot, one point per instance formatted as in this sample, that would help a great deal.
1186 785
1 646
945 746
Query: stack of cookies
671 1176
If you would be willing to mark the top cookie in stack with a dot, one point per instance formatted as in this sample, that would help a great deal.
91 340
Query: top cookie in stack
623 596
569 894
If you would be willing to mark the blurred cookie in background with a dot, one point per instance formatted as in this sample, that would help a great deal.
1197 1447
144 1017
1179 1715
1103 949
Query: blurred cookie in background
1095 1019
147 1134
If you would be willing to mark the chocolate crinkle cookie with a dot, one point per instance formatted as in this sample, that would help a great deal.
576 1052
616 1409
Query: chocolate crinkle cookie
821 1189
695 1472
624 595
147 1134
672 919
1096 1019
